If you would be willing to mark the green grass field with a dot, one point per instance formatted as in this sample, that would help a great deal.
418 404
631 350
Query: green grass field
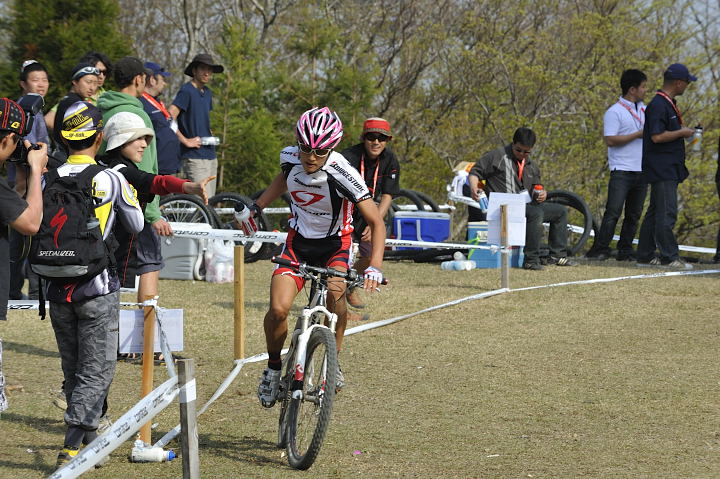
606 380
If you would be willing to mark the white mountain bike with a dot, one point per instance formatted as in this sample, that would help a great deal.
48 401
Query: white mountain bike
307 386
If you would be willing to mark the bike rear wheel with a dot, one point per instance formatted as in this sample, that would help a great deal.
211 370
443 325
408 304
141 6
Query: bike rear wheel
309 416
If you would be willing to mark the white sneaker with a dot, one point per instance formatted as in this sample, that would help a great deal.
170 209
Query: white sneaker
104 424
679 264
268 387
339 379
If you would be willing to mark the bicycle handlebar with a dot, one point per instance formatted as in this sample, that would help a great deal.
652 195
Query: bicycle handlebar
350 275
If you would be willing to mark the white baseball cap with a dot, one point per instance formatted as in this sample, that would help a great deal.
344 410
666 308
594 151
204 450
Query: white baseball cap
124 127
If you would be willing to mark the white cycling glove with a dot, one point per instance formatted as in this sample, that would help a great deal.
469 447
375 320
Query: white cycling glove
373 274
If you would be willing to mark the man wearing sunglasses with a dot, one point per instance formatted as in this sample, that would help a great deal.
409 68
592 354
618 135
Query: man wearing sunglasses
380 169
324 189
509 169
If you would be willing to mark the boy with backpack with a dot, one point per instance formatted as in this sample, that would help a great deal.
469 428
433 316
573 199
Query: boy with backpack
74 253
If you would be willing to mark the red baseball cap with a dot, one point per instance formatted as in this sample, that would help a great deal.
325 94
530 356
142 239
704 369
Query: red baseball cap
378 125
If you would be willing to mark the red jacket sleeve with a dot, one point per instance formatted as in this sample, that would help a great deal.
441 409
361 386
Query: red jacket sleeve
166 184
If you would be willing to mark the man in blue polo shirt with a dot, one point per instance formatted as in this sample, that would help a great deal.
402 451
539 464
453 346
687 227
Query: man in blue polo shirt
663 166
191 108
165 126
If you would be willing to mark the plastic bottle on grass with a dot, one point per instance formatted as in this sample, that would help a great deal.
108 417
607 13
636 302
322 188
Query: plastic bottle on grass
151 454
458 265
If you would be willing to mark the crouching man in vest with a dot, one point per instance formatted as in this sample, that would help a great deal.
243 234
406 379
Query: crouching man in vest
84 298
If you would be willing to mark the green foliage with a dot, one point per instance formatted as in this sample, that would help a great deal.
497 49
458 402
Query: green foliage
251 137
57 33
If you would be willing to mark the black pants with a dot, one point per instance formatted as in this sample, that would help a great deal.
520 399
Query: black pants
536 215
716 258
656 231
626 188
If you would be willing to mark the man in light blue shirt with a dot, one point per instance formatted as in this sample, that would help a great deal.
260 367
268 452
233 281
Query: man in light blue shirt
623 133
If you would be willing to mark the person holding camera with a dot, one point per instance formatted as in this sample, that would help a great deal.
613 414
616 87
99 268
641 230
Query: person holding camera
22 215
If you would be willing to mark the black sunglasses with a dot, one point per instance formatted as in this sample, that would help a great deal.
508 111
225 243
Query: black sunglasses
319 152
377 136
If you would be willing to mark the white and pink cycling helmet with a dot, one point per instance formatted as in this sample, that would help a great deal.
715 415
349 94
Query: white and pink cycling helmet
319 128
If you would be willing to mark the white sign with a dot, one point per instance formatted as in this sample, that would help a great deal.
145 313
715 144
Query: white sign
132 330
516 217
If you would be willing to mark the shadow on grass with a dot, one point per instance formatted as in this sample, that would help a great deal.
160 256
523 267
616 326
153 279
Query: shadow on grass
249 449
29 349
42 424
38 461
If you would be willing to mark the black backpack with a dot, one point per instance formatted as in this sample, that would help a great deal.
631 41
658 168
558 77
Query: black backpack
69 246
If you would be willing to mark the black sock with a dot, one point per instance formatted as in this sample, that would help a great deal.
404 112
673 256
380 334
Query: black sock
274 361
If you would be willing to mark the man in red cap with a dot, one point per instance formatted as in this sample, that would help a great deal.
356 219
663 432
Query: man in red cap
379 167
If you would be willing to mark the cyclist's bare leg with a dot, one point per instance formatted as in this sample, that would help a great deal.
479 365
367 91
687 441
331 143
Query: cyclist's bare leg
283 290
337 304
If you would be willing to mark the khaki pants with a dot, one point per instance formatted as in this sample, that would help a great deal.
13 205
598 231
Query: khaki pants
197 169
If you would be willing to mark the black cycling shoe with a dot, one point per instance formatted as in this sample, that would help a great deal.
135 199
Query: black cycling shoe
533 266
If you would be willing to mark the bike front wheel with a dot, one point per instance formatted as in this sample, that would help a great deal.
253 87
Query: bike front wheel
309 415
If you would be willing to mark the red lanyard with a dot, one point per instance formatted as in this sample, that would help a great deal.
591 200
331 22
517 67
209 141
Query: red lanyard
634 115
663 94
362 172
521 167
157 104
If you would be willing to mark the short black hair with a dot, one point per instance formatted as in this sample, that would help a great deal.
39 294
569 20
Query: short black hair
631 78
32 67
126 69
94 57
79 145
524 136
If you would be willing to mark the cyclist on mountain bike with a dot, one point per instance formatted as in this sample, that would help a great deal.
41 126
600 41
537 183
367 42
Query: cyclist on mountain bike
323 188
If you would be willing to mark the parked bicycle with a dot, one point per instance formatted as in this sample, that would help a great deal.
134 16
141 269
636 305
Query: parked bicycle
307 386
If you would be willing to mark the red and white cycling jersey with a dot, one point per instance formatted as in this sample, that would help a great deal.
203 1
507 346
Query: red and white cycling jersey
322 202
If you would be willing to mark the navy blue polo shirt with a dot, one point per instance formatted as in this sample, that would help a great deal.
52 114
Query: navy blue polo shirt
194 119
168 144
662 161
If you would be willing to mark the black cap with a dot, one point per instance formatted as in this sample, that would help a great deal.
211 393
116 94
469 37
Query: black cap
206 59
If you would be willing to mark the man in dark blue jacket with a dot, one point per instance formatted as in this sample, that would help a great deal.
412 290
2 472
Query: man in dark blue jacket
165 126
663 167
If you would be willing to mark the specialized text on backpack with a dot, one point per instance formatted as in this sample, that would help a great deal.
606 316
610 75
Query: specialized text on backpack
69 246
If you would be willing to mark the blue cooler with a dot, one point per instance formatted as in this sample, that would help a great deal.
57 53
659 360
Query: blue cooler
421 226
484 258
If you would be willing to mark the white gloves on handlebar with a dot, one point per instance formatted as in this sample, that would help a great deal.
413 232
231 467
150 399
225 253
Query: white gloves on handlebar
373 274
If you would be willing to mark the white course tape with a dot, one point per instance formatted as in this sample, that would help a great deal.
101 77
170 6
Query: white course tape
621 278
185 230
188 393
121 430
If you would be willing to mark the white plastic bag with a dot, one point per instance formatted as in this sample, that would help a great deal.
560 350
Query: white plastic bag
219 262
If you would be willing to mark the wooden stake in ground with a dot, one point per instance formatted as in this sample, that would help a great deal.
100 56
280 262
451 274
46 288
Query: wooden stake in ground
505 251
239 302
148 363
188 420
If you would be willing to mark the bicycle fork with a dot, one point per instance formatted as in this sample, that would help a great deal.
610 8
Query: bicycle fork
301 347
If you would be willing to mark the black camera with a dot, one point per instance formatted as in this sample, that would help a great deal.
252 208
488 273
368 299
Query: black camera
32 104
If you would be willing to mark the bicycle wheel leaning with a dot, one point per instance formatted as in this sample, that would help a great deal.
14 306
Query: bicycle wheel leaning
309 416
